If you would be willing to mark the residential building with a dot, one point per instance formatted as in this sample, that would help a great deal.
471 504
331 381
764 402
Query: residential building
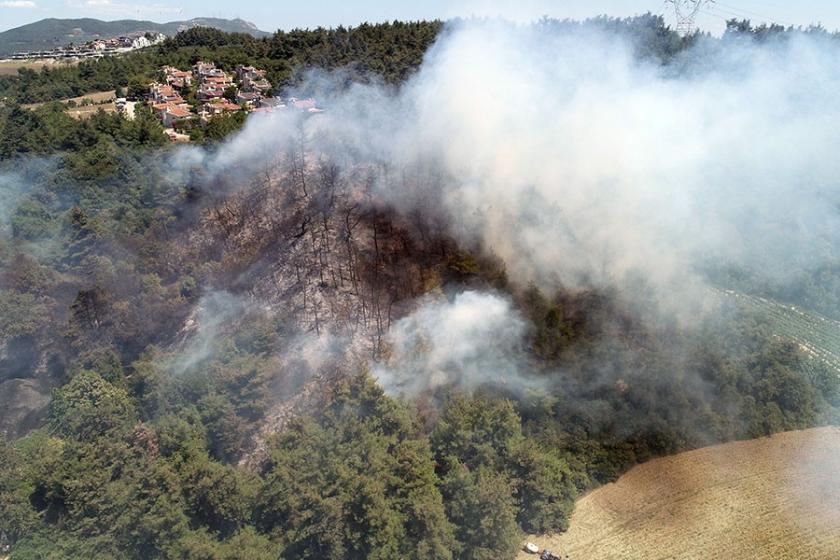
206 72
219 106
243 72
302 104
272 103
207 92
164 93
255 84
249 98
177 78
169 114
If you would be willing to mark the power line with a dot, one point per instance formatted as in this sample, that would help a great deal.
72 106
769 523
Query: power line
686 11
740 12
711 13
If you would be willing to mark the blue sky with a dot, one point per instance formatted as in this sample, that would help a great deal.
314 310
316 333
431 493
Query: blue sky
309 13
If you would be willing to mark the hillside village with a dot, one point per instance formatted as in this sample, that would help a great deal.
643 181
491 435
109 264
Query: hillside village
97 48
206 91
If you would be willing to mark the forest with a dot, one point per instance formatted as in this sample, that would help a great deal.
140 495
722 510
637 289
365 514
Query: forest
190 356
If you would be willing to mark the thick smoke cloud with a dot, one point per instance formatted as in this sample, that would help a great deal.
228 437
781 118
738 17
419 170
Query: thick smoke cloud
580 164
473 340
576 161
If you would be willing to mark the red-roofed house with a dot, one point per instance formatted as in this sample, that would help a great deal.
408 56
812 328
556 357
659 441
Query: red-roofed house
164 93
219 106
177 78
256 84
249 98
210 91
243 72
170 113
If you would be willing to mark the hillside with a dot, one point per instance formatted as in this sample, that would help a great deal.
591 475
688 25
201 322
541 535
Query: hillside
433 317
817 336
50 33
773 497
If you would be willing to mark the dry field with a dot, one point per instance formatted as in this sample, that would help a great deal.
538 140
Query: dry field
90 110
10 67
772 498
101 100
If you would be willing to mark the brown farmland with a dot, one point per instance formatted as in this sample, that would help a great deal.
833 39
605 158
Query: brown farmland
10 67
98 100
776 497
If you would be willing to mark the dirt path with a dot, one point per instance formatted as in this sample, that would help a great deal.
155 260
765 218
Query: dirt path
771 498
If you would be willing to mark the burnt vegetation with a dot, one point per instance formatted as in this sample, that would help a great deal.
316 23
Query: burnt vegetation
176 321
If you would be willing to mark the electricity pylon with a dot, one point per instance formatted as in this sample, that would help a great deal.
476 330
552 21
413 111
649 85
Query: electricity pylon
686 11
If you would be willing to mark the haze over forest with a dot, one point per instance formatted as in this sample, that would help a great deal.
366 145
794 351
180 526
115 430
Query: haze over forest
505 264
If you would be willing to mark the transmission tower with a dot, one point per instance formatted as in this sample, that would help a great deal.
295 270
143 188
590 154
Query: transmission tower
686 11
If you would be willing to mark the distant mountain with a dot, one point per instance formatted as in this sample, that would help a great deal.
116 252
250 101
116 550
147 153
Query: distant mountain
51 33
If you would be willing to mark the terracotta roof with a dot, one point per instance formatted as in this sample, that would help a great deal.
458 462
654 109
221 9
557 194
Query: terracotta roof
179 112
224 105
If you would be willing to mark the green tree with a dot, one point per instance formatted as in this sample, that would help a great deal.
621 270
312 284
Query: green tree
481 506
89 407
353 483
225 430
19 519
218 497
21 314
546 489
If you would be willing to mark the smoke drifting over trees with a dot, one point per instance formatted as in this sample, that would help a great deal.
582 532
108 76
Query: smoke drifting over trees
474 340
579 163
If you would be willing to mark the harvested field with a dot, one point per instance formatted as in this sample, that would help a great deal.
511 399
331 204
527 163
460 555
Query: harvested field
10 67
776 497
100 100
90 110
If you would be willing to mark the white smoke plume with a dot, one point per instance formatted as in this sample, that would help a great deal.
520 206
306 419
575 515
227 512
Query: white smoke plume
576 161
580 164
473 340
215 312
10 194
